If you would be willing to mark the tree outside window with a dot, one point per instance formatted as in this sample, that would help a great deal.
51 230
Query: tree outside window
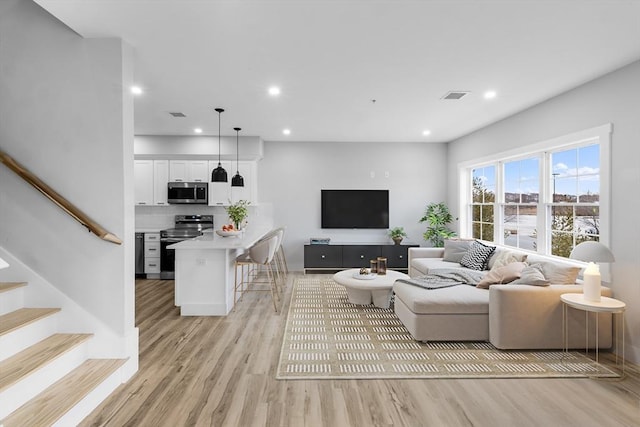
483 191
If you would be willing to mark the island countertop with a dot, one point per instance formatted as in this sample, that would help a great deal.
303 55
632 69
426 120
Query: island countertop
210 240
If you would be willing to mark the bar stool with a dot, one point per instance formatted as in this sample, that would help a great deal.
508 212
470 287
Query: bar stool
259 255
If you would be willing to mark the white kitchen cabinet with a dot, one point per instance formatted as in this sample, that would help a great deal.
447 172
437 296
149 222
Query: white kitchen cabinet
143 177
189 171
220 192
160 180
152 254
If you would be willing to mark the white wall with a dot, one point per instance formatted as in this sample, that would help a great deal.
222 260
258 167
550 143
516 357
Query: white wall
614 98
293 173
66 114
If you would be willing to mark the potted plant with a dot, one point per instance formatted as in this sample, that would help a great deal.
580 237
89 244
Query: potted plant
238 212
396 234
438 216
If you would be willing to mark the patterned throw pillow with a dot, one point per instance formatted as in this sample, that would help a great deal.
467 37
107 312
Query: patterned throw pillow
477 256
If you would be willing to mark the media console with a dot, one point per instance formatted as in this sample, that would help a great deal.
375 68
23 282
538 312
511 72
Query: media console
343 256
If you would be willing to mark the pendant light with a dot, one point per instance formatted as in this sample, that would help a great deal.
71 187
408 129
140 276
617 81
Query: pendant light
237 180
219 174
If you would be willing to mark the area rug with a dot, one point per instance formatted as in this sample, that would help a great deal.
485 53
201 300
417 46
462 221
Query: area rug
326 337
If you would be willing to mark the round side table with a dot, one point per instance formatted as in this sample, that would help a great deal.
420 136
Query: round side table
605 305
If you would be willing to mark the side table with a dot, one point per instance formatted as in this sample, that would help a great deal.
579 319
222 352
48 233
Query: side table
605 305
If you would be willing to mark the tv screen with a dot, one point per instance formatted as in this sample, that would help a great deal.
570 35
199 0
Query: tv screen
355 209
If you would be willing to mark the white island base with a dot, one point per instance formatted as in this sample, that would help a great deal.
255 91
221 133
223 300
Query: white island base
205 272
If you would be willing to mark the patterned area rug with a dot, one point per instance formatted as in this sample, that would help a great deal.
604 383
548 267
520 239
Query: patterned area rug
326 337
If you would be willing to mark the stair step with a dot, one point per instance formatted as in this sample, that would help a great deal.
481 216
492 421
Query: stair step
7 286
33 358
24 316
54 402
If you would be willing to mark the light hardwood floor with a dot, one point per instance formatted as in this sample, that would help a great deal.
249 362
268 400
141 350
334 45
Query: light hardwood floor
220 371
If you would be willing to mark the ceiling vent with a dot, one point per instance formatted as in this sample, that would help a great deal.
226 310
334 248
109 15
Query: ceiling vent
455 95
178 114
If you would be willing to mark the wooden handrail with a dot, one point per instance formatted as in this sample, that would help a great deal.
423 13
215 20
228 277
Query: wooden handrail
56 198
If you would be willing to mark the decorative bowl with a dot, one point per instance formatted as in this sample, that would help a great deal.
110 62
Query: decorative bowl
232 233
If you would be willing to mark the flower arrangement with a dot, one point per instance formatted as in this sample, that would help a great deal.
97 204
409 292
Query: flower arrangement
238 212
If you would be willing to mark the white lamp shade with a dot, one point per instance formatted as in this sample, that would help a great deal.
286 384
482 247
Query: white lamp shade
592 251
3 264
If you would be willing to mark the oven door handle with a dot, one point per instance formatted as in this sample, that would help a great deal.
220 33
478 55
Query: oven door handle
171 240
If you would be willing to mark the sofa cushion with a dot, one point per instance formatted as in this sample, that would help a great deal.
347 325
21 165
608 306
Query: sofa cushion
461 299
454 249
477 256
424 265
502 275
560 274
502 257
532 275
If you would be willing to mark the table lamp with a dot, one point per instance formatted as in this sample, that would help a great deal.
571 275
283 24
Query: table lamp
592 252
3 264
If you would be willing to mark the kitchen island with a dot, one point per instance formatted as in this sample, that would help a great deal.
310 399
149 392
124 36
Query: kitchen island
205 271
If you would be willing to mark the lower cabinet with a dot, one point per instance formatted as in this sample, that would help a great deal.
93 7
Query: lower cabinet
340 257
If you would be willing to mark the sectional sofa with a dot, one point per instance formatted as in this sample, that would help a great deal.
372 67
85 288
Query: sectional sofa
521 314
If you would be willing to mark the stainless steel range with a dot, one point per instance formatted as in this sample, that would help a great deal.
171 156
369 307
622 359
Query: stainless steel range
186 227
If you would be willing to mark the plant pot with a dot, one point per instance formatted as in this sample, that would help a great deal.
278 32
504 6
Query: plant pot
397 240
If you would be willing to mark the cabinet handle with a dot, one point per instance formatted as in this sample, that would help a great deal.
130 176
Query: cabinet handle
322 256
160 203
197 180
152 265
152 249
361 256
142 203
400 256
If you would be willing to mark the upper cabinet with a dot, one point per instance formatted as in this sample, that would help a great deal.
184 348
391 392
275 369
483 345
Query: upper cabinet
222 194
160 180
189 171
143 175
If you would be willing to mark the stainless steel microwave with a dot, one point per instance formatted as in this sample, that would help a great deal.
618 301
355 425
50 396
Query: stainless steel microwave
187 192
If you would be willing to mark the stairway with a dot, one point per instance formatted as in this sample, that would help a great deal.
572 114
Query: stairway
46 377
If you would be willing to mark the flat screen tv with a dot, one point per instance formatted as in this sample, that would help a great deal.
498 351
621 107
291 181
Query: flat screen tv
355 209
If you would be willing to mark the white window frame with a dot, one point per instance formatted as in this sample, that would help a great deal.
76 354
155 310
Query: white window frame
597 135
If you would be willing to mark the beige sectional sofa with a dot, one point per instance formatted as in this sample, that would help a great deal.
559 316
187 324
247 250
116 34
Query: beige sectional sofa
510 316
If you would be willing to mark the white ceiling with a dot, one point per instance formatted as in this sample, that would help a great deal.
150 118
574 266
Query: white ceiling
332 58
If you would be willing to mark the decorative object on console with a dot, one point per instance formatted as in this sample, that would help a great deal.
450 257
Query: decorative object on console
219 174
396 234
373 265
592 252
238 212
382 266
438 216
3 264
319 240
237 180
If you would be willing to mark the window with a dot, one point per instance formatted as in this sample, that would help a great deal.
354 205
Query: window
483 199
547 197
521 197
574 207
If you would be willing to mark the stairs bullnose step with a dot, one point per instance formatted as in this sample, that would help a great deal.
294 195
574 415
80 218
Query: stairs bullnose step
54 402
22 364
8 286
23 316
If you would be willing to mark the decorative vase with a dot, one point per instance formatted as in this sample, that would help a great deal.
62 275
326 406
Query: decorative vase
397 240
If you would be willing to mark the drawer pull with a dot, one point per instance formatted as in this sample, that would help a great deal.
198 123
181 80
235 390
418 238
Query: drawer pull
322 256
153 265
400 256
361 256
152 249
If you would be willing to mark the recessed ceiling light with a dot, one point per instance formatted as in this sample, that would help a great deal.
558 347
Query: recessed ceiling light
490 94
287 131
274 91
426 132
197 130
136 90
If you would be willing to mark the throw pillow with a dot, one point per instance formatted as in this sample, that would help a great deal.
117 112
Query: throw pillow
477 255
502 257
502 275
560 274
532 275
454 249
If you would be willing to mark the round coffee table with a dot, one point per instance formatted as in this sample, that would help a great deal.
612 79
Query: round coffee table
364 291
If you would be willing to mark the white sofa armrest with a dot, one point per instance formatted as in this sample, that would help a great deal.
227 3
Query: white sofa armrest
423 253
525 317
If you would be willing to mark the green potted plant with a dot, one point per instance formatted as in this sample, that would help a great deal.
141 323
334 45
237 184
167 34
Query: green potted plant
238 212
396 234
438 216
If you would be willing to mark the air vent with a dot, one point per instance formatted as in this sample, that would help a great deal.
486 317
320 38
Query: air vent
177 114
455 95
